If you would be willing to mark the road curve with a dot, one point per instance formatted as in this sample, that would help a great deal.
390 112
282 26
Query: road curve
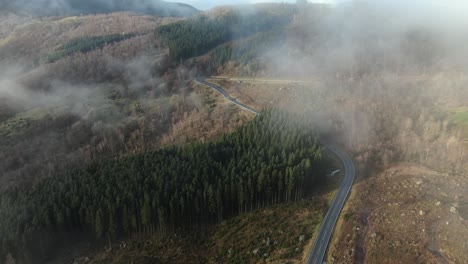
317 255
226 95
319 250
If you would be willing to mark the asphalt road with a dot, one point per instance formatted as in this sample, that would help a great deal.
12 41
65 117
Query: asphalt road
226 95
260 80
319 250
317 255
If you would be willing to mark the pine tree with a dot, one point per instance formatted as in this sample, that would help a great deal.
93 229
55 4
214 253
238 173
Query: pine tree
99 225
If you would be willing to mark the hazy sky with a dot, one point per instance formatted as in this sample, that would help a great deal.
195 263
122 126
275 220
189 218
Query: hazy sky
207 4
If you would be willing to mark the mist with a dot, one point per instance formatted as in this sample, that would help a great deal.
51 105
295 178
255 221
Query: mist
388 79
100 104
66 97
379 37
382 80
77 7
377 65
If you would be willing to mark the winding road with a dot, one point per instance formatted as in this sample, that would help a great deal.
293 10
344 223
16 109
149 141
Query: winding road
319 250
328 225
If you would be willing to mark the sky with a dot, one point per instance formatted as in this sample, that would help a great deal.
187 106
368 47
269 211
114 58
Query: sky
207 4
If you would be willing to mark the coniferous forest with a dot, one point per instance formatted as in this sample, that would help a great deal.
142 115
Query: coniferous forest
85 44
272 159
196 36
245 51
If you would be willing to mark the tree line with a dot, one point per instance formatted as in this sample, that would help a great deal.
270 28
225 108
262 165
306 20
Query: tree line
247 51
85 44
272 159
196 36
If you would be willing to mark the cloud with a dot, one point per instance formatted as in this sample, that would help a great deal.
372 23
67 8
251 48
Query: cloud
207 4
74 7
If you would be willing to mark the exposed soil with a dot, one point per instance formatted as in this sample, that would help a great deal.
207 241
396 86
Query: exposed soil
277 234
406 214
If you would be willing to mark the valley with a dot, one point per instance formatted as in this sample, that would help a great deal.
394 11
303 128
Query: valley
113 148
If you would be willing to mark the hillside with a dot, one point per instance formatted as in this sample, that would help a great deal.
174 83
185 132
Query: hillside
256 236
84 94
106 83
73 8
161 191
196 36
106 138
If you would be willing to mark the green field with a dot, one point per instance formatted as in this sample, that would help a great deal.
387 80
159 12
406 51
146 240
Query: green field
459 118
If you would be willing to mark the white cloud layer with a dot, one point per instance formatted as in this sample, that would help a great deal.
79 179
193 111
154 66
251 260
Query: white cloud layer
207 4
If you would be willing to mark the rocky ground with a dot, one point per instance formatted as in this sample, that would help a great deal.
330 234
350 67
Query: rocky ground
406 214
277 234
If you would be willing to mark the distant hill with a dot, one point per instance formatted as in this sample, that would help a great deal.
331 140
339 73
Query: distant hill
77 7
196 36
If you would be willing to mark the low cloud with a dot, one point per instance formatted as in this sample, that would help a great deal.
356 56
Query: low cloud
76 7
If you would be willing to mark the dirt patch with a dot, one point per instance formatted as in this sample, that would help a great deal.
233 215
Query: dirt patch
406 214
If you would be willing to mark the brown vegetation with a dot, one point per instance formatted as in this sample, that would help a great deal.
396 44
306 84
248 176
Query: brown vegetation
104 103
217 116
25 41
407 212
278 234
403 100
384 121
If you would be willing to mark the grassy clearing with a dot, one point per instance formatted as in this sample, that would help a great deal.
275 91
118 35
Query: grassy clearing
459 118
18 123
456 118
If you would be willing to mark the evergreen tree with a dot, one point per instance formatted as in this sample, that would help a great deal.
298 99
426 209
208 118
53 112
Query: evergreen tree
271 159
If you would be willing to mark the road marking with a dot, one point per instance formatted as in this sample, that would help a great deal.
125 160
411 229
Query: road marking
331 217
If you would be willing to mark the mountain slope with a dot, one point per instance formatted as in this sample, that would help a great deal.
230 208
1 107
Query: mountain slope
74 7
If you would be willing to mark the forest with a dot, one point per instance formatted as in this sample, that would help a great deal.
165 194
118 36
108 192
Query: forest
85 44
246 52
196 36
270 160
74 7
